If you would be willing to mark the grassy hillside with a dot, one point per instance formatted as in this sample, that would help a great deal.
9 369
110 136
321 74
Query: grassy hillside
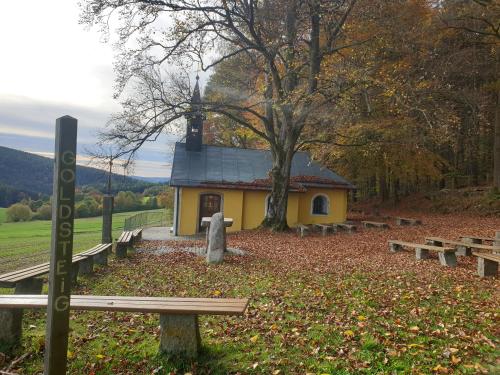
22 172
29 242
2 215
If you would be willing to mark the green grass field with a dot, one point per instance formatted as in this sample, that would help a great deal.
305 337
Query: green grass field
29 242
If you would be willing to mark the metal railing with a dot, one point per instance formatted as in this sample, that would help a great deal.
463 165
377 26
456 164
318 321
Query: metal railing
146 220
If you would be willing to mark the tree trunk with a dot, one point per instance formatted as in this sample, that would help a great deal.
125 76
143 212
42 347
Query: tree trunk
280 178
496 141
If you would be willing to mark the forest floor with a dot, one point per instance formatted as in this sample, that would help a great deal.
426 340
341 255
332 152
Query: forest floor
340 304
479 200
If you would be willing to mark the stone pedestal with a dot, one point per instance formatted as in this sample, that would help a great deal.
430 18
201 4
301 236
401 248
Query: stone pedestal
29 286
180 335
121 250
11 322
394 248
421 254
464 251
448 259
86 266
101 258
486 267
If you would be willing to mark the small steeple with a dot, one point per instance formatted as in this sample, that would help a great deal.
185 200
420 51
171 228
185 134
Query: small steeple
196 98
194 133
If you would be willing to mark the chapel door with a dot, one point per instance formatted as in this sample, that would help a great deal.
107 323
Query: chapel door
209 205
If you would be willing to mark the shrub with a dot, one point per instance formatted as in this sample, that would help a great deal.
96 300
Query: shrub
18 212
44 212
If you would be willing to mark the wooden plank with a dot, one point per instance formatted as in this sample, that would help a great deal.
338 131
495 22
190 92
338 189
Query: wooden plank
493 257
144 299
27 273
164 306
490 239
421 246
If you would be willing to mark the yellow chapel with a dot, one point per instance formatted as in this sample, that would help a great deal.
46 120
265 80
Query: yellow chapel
209 179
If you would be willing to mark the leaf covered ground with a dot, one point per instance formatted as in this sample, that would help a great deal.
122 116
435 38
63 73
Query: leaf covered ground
340 304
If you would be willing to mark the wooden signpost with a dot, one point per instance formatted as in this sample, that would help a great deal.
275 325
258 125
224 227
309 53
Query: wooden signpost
63 212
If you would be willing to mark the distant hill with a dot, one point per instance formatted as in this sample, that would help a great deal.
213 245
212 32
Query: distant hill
158 180
25 174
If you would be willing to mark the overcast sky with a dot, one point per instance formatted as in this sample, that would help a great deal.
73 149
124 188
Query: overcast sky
52 66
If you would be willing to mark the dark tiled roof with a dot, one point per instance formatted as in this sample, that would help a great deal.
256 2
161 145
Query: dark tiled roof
245 168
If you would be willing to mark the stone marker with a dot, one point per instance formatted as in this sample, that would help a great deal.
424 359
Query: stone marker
497 238
216 239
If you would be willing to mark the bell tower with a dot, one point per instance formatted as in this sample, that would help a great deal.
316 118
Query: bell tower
194 134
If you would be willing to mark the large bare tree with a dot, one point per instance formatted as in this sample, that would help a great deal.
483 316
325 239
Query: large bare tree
285 40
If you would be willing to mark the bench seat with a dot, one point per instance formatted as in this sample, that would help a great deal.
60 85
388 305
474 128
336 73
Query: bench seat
178 316
487 264
446 255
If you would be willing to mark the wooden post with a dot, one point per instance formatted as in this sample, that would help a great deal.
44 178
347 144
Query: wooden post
63 212
107 219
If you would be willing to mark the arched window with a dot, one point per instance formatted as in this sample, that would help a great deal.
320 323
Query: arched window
320 205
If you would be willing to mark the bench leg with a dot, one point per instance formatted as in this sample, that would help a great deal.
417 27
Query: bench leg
394 248
421 254
464 251
86 266
11 327
486 267
101 258
448 259
180 335
29 286
121 250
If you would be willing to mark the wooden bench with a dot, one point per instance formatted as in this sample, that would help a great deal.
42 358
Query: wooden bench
446 255
462 248
98 255
137 235
179 335
407 221
324 228
302 229
123 243
477 239
375 224
350 228
487 264
27 281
